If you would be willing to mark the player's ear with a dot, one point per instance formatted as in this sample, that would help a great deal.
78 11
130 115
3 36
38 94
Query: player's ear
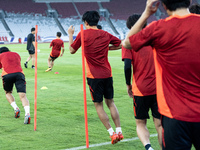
86 23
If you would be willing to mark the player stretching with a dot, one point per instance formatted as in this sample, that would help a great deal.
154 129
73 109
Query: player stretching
56 45
99 76
176 53
12 73
144 87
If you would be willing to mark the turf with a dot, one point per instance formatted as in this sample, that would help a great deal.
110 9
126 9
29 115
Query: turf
60 108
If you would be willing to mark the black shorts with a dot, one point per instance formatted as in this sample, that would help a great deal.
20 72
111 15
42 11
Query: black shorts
14 78
100 88
31 52
142 105
53 58
180 135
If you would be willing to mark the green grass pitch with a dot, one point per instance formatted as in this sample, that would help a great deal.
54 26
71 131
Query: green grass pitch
60 108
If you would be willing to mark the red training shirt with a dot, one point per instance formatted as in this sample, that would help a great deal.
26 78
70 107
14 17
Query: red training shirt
96 46
144 81
177 63
10 62
56 45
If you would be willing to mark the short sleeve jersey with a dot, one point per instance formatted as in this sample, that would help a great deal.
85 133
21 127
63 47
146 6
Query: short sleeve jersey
144 81
10 62
56 45
30 39
96 46
177 63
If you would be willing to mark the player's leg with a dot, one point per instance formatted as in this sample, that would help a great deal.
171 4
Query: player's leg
102 114
158 126
96 90
33 60
49 64
108 94
20 85
156 118
8 82
141 109
28 59
142 131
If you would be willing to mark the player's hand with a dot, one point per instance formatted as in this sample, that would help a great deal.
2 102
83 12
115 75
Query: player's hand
71 30
129 91
61 55
151 7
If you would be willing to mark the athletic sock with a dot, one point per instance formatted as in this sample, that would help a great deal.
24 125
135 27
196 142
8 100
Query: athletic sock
110 131
147 146
14 105
118 129
27 110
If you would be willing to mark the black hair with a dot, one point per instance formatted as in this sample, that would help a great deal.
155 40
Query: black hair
172 5
99 26
132 20
32 29
4 49
59 34
195 8
92 17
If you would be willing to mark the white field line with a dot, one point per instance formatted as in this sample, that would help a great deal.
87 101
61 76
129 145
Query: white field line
107 143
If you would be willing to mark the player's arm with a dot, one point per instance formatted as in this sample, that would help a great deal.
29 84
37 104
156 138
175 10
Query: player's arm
149 10
127 73
70 33
115 47
62 52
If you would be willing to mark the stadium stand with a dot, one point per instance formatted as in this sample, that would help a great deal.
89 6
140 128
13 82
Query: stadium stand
22 15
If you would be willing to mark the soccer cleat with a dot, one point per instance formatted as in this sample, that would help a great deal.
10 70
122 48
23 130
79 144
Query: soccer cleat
49 69
114 138
17 113
121 137
25 65
33 67
27 119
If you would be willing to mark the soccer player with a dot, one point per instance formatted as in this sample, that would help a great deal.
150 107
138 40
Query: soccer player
31 48
12 73
99 76
56 45
175 41
143 87
195 8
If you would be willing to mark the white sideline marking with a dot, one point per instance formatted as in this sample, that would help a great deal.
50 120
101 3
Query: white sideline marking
108 143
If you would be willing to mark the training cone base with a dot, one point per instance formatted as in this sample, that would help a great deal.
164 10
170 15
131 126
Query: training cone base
56 72
44 88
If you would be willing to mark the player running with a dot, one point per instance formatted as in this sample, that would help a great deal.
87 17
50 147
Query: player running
56 45
12 73
143 87
175 41
99 76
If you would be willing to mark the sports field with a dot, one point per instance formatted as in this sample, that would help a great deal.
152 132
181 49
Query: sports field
60 113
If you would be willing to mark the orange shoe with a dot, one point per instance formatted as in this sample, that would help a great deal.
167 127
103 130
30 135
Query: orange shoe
121 137
114 138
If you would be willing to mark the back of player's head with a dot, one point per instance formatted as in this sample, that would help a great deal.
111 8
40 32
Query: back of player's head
132 20
99 26
172 5
92 17
4 49
32 29
59 34
195 8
